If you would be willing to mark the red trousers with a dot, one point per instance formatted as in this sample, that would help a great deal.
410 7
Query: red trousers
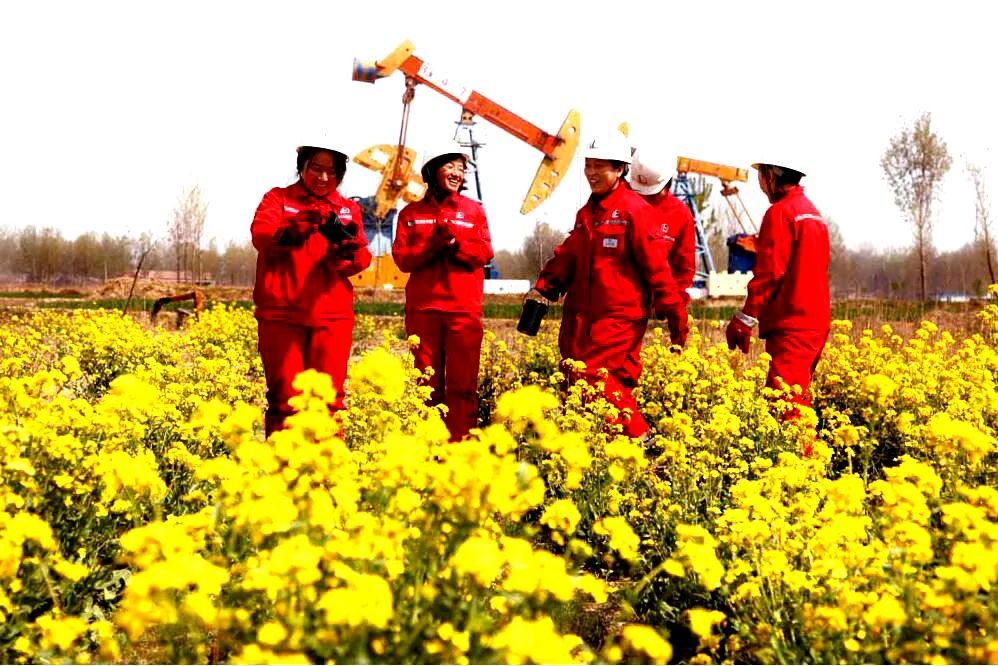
614 344
287 349
451 344
795 356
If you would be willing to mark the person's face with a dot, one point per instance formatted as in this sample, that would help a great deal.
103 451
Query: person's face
602 175
319 174
450 175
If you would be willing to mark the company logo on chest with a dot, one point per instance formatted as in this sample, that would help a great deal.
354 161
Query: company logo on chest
614 219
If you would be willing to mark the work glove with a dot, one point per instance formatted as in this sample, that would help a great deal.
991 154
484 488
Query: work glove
346 249
678 321
739 332
298 228
442 240
333 229
550 293
534 295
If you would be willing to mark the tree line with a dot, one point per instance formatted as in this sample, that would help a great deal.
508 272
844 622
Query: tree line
914 164
44 256
853 273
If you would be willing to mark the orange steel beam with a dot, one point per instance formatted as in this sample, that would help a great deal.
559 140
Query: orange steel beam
480 105
722 171
726 174
558 149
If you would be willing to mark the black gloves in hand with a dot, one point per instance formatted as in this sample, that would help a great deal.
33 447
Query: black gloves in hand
335 231
442 239
348 247
298 228
550 293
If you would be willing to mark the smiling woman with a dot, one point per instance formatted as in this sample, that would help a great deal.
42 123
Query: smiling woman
310 240
444 242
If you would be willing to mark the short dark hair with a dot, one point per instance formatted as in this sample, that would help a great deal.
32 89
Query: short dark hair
782 175
430 168
617 164
339 160
429 171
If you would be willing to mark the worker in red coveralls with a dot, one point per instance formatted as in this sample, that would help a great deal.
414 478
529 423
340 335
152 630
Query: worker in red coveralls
309 241
443 242
613 269
650 177
788 296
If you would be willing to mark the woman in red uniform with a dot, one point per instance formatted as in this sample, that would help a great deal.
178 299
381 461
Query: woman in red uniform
443 242
309 240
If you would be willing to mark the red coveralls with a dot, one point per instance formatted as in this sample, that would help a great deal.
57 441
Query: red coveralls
612 267
789 292
304 301
443 298
680 233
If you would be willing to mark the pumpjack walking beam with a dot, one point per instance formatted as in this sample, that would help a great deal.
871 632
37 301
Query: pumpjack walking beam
683 188
558 149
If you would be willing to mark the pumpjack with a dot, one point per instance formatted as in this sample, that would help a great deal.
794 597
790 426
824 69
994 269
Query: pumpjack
399 180
741 247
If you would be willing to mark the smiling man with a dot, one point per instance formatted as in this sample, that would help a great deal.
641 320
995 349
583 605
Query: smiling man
614 272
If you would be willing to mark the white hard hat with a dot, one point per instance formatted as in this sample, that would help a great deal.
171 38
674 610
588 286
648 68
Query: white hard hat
782 163
651 170
435 156
445 150
323 142
610 146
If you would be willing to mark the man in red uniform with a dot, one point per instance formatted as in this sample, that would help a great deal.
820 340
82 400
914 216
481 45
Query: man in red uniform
443 241
612 266
788 296
309 240
650 177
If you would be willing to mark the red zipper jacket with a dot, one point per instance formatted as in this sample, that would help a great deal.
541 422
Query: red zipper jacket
680 234
789 287
300 277
614 263
443 278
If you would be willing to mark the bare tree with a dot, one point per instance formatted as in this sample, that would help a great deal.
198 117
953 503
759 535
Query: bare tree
86 256
539 246
509 265
145 245
914 165
982 206
116 255
185 231
838 265
238 263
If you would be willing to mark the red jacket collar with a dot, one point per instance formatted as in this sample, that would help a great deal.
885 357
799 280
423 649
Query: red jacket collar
451 199
795 191
610 199
299 192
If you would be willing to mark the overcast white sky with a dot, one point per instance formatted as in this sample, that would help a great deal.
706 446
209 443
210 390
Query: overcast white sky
112 110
